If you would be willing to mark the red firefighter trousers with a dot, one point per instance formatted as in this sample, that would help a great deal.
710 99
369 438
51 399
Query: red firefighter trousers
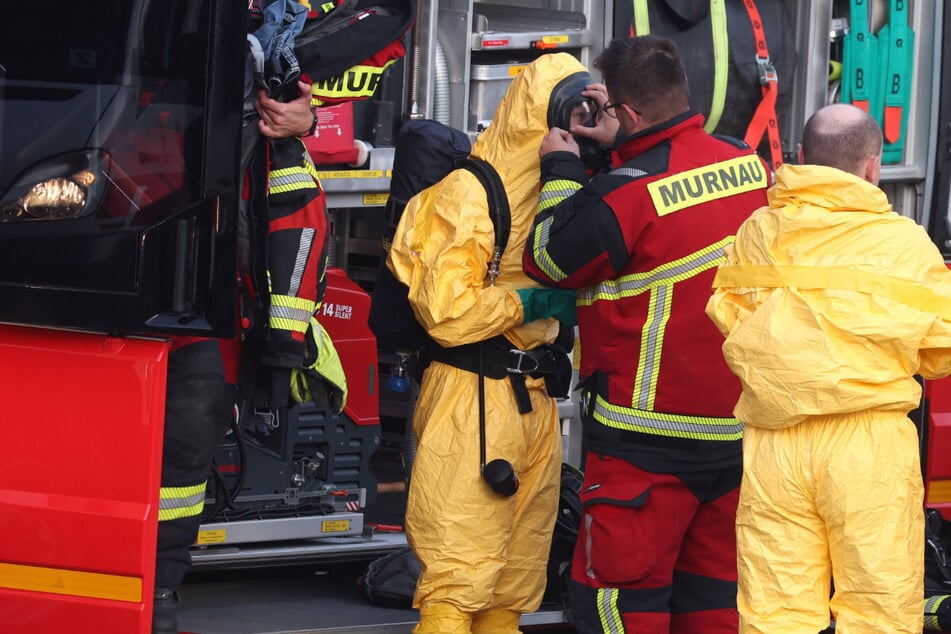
656 552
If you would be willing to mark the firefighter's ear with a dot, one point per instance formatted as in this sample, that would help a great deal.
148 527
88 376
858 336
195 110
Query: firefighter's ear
631 120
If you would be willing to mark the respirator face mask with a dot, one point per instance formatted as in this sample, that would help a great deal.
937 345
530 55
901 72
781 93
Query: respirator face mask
593 155
567 107
585 113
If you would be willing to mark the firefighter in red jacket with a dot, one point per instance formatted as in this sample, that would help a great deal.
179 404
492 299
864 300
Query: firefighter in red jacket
656 550
200 395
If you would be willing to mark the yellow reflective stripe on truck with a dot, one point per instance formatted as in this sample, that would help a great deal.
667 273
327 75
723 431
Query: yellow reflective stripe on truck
75 583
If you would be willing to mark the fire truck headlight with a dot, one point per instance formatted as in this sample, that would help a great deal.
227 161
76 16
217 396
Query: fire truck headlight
64 187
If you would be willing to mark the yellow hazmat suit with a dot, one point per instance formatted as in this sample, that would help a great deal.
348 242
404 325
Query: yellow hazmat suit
483 556
830 303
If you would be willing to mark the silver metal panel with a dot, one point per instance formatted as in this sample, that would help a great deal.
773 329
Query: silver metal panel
569 412
924 214
283 529
505 26
488 84
544 617
811 19
275 553
454 26
507 40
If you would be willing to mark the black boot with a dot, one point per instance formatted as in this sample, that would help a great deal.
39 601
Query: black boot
164 606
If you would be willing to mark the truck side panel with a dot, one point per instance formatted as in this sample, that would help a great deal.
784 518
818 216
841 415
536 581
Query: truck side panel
78 509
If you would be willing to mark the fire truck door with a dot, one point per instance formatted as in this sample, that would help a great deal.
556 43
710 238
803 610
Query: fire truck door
80 466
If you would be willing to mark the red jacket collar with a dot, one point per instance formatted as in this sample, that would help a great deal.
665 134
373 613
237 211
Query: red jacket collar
640 142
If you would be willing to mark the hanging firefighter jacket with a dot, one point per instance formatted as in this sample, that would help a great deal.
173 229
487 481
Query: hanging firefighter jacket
288 234
286 221
342 46
346 50
739 55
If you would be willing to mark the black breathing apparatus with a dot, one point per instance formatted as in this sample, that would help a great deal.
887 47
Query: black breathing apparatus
566 99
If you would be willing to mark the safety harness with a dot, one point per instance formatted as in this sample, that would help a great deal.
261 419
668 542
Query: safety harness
495 358
764 119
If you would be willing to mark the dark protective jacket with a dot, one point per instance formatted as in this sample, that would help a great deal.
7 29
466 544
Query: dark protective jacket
641 244
729 64
288 278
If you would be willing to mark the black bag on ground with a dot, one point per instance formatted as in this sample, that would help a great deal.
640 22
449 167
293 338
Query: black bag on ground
390 580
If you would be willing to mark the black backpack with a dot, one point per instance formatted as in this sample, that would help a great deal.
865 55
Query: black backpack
426 151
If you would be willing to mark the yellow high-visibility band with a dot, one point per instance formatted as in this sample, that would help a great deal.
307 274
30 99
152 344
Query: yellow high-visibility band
908 292
608 611
179 502
721 63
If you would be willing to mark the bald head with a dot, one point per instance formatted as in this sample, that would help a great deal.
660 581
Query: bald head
844 137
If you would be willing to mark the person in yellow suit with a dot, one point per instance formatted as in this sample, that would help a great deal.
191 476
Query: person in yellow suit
484 553
830 303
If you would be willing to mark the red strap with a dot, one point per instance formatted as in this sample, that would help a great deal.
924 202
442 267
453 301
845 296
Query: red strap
892 125
765 116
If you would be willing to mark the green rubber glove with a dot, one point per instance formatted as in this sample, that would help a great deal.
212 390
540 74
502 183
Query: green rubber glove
539 303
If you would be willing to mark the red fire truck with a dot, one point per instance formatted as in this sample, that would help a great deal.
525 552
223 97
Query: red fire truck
120 130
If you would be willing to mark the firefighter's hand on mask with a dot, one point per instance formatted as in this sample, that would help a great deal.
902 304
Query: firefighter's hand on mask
604 133
597 93
539 303
285 119
558 140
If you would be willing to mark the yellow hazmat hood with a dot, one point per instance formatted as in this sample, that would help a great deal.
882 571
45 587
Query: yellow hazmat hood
445 237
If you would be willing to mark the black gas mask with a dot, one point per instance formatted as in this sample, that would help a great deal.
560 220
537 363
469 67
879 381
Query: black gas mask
567 107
